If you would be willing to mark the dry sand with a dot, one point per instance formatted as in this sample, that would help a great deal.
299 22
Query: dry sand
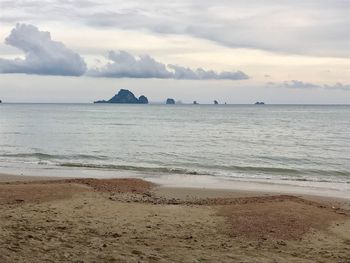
130 220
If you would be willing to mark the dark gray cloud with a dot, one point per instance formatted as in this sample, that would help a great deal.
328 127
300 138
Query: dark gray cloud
124 65
43 56
319 28
297 84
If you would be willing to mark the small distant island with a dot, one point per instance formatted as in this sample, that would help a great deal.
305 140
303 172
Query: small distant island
170 101
259 103
216 102
125 96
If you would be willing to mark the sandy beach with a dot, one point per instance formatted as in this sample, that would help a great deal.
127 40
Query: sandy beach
174 131
131 220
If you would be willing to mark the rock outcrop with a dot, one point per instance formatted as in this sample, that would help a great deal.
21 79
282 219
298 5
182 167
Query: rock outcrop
125 96
143 99
216 102
259 103
170 101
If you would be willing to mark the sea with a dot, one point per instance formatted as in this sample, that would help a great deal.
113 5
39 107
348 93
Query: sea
284 144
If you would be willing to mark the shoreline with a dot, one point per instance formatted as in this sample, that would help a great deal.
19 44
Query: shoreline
322 189
189 186
337 189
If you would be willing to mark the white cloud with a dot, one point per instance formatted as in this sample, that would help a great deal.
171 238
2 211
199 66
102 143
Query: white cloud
180 72
43 56
124 65
338 86
295 84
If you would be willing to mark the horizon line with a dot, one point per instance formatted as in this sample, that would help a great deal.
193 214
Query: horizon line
187 104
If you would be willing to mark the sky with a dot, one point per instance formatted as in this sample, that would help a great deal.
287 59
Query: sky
234 51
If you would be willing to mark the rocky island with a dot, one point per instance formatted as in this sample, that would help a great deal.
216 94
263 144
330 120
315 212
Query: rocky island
170 101
125 96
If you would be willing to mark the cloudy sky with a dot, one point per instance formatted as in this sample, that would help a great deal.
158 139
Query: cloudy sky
238 51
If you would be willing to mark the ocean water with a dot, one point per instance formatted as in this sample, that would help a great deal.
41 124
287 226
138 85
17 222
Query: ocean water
237 142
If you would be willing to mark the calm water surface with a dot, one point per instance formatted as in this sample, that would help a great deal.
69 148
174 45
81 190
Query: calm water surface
292 143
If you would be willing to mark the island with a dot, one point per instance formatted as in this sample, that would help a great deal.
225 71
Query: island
216 102
143 100
195 102
125 96
259 103
170 101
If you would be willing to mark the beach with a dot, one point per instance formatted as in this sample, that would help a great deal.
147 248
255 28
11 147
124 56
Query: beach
174 131
132 220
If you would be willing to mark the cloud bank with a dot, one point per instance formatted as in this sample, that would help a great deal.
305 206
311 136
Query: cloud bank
297 84
124 65
317 28
43 56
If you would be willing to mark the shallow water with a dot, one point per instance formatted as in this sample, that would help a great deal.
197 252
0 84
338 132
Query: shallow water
244 142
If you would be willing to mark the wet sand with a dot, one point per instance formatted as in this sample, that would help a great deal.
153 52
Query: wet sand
131 220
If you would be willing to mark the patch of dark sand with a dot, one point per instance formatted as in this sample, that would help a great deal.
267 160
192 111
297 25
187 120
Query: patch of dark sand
278 217
281 217
48 190
129 185
37 192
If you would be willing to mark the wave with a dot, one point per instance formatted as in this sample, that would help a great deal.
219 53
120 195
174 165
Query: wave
278 170
45 156
240 172
133 168
32 155
236 171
